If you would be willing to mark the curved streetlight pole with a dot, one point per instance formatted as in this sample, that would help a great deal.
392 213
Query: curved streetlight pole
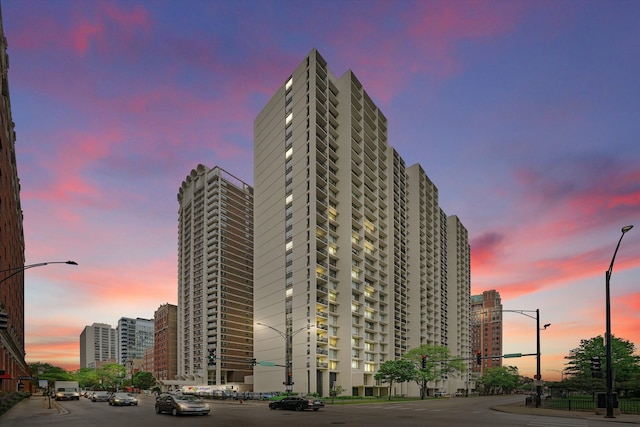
288 338
609 370
16 270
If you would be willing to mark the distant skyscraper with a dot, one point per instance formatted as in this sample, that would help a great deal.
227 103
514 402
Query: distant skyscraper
486 330
133 336
165 358
97 344
215 278
355 262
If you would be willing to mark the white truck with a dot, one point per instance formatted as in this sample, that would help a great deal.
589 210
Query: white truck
66 390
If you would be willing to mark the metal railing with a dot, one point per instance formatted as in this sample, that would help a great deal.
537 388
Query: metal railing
625 406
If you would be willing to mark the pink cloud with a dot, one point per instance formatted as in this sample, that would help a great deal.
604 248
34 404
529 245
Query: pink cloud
433 31
84 33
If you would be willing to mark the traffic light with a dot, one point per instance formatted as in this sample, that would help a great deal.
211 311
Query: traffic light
479 358
4 320
254 362
424 362
596 367
289 378
212 357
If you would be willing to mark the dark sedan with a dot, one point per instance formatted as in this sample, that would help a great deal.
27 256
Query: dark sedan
297 403
123 399
180 404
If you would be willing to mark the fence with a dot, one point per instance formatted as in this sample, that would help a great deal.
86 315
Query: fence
586 405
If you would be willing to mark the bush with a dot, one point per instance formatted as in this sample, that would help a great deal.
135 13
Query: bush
10 398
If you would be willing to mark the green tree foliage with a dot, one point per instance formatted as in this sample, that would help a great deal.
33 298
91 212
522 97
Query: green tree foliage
49 372
626 365
438 363
144 380
398 371
499 379
88 378
111 375
336 391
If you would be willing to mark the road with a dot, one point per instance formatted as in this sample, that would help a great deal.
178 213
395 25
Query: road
453 412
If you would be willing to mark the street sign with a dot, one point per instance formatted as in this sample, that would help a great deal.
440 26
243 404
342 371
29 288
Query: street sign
263 363
507 356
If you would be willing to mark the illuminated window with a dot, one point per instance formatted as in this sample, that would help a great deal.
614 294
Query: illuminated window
289 118
289 246
288 153
287 86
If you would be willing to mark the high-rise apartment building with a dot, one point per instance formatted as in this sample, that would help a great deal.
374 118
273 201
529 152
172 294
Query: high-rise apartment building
133 337
97 344
459 296
12 362
486 330
165 357
352 252
215 279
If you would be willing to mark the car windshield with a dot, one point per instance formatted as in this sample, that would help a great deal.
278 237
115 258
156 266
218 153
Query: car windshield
187 398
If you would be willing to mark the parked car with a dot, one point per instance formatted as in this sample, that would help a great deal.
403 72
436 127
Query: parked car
122 399
297 403
442 394
180 404
100 396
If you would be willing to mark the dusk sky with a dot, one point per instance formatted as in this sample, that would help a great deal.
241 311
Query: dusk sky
524 114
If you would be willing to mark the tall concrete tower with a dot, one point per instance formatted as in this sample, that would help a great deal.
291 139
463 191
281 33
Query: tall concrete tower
215 279
351 245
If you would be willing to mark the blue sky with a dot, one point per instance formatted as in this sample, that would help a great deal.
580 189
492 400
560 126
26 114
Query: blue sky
525 115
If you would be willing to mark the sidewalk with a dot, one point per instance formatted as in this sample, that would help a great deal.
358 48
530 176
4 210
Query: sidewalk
35 406
516 408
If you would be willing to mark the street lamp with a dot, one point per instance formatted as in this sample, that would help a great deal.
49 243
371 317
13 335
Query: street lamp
4 316
608 333
538 329
16 270
288 341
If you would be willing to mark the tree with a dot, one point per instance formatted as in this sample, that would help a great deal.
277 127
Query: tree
499 379
625 365
395 371
49 372
432 363
111 375
144 380
88 378
336 391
